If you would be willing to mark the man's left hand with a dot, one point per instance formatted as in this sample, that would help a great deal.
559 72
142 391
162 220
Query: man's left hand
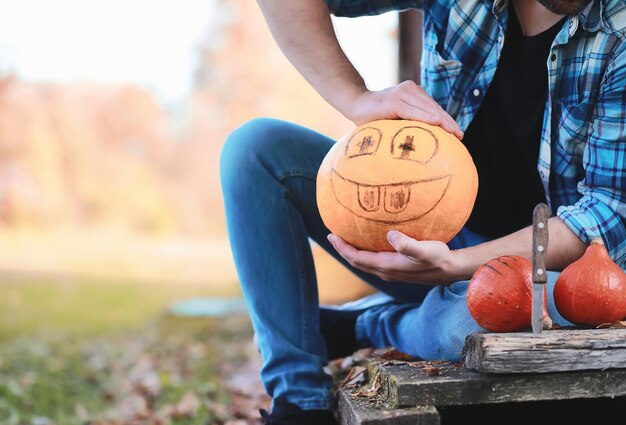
430 262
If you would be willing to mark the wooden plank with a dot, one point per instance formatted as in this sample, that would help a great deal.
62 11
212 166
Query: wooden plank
549 412
358 411
411 384
550 351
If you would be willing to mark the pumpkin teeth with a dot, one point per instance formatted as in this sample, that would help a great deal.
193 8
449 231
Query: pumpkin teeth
364 200
369 197
397 198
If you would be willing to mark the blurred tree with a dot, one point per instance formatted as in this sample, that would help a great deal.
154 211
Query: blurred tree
244 75
83 154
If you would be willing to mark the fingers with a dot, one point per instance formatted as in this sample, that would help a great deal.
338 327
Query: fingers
411 112
413 261
426 252
414 95
406 100
442 117
390 266
404 244
367 261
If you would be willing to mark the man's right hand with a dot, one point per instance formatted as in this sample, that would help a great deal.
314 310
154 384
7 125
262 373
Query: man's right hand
406 100
304 31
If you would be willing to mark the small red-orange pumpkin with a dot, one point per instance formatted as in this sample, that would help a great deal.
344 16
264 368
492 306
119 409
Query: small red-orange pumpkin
396 175
499 295
592 289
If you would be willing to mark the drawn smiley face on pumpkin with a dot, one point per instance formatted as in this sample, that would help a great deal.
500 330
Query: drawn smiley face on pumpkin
389 202
396 174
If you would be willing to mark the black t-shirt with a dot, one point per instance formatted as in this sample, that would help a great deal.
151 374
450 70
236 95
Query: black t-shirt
504 136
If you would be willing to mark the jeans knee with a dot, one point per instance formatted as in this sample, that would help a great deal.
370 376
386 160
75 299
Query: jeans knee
242 149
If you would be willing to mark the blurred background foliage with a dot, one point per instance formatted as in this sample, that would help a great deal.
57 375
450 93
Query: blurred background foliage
103 178
110 202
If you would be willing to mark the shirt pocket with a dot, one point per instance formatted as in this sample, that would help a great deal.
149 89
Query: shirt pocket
572 131
575 117
439 74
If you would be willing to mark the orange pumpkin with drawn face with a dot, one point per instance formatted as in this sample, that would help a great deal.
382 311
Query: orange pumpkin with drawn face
396 175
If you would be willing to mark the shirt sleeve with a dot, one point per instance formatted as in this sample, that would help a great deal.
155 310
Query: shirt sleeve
601 211
354 8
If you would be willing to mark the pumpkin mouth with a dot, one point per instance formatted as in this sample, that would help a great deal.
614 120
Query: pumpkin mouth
389 203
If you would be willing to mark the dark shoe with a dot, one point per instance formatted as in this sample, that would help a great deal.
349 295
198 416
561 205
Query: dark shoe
290 414
338 328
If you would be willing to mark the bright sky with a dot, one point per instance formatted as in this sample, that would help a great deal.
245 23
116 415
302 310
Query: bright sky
369 44
148 42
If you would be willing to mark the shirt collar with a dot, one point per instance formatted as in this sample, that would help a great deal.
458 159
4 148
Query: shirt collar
606 14
592 16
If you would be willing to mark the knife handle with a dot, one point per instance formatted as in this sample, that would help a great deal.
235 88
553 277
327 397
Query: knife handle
541 214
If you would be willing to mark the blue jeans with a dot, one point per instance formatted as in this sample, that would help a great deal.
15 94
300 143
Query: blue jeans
268 170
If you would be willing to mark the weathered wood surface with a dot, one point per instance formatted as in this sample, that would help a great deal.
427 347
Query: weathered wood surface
550 351
358 411
600 411
451 384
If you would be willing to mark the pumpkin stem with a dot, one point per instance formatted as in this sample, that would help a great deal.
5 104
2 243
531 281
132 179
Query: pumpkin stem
597 241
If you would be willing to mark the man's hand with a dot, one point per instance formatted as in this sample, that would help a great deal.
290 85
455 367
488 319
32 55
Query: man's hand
433 262
304 32
406 100
429 262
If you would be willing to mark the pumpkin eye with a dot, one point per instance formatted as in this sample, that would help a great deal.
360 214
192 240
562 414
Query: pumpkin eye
364 142
415 144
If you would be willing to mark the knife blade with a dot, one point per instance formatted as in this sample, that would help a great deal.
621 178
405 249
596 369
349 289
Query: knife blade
541 214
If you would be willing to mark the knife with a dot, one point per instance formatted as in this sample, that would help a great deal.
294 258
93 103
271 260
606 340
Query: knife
541 214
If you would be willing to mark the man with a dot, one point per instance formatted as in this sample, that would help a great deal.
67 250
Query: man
538 88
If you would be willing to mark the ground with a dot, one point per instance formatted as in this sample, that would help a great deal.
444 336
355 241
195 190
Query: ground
86 338
101 352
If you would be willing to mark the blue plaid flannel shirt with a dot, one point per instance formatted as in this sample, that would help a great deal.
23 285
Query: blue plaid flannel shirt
582 158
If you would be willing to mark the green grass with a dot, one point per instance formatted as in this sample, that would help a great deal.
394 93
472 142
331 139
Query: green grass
82 306
75 352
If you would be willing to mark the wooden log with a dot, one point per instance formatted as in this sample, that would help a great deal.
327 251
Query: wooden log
551 351
357 411
406 384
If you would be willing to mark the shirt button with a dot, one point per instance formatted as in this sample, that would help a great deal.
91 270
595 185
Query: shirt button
499 5
542 174
476 92
553 57
573 26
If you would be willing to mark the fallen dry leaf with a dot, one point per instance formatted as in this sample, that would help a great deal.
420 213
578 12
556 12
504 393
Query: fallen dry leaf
187 407
244 407
619 324
133 407
347 364
431 370
355 376
391 353
247 394
373 389
362 355
394 362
